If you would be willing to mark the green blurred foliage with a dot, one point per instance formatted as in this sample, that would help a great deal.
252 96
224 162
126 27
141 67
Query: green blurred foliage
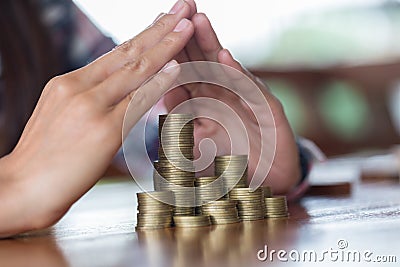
344 110
339 36
293 105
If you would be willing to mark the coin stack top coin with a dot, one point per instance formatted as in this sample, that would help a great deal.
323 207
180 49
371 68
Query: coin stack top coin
232 169
174 170
221 211
276 207
251 205
192 221
154 213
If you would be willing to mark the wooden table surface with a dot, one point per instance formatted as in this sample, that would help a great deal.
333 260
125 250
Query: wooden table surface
100 231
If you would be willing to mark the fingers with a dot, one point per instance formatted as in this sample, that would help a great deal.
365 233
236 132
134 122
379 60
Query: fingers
193 50
206 38
133 74
130 50
175 97
193 7
182 56
255 91
225 57
141 100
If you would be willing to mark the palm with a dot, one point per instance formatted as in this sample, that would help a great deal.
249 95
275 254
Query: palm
284 171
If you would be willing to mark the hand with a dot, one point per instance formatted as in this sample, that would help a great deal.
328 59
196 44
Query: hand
204 45
76 127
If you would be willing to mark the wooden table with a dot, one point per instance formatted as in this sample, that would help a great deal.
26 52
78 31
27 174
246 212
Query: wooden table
100 231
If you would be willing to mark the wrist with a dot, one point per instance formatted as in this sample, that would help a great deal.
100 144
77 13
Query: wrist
308 154
15 208
5 172
9 204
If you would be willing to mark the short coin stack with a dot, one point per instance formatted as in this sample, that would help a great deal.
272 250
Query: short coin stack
153 212
267 191
232 169
208 188
221 211
174 170
276 207
251 205
192 221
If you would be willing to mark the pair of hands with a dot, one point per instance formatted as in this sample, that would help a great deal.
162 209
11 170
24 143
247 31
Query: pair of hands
205 46
75 130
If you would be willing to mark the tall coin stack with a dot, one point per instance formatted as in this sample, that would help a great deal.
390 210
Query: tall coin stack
153 212
276 207
221 211
251 205
233 171
174 166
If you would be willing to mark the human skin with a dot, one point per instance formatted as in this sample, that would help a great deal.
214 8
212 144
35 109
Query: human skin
205 46
75 129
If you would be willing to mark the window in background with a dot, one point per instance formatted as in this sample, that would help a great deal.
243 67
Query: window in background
264 32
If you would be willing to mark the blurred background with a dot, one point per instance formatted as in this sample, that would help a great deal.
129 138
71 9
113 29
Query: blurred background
334 64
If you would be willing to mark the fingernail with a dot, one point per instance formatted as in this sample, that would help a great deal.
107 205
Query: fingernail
181 25
178 6
169 67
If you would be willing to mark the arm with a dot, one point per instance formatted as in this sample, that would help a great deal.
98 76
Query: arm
58 157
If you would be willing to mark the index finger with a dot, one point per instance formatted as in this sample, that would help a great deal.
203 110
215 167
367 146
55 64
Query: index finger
206 37
104 66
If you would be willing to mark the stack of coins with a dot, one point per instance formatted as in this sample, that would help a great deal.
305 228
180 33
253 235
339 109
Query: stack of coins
251 205
232 169
158 180
174 170
221 211
185 201
276 207
178 192
166 176
267 191
153 212
208 188
169 178
176 137
192 221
